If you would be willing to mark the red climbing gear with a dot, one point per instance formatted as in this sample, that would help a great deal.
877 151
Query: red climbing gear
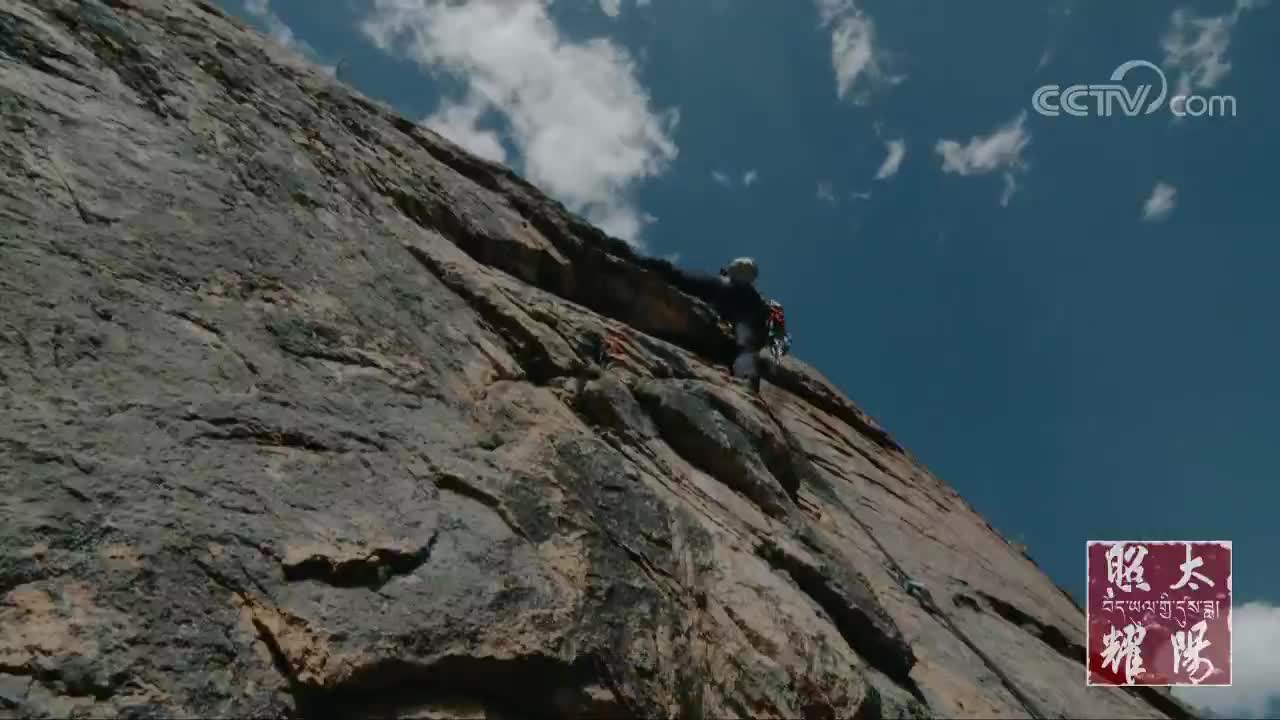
613 347
779 340
777 321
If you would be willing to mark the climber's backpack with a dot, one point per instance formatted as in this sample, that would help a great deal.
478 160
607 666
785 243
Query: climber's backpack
779 340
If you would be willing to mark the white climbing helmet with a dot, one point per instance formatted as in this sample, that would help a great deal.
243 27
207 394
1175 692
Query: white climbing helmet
742 271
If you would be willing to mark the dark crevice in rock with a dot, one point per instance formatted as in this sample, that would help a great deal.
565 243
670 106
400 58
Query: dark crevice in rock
885 487
210 9
659 577
366 441
280 661
309 339
760 643
887 702
73 676
247 430
679 416
279 658
19 40
437 216
606 275
877 463
837 471
925 533
835 439
533 686
525 347
238 87
549 217
372 571
473 168
869 632
40 456
232 427
567 232
344 356
87 216
533 266
209 327
1073 651
18 572
458 485
1048 634
789 463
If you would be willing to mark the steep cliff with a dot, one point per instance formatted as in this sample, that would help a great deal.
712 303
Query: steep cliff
302 414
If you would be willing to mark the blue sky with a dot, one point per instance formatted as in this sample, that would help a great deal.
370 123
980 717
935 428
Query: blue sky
1069 319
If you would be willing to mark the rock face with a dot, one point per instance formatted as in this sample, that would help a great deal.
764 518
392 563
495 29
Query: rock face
303 413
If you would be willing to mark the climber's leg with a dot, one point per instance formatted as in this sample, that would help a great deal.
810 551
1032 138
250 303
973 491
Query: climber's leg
746 362
745 369
744 366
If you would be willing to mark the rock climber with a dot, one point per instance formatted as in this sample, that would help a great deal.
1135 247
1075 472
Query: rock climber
734 296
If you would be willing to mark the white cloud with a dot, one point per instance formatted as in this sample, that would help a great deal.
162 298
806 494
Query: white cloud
1164 197
1196 47
622 221
827 194
1010 187
860 195
749 178
613 8
276 28
985 154
460 123
897 149
580 122
854 56
1255 666
1045 58
982 155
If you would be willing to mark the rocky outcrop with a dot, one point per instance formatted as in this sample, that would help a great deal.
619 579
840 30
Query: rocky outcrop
303 413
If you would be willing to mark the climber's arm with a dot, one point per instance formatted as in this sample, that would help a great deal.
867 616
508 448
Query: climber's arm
704 286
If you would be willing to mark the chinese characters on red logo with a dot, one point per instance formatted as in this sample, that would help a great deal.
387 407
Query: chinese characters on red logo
1159 613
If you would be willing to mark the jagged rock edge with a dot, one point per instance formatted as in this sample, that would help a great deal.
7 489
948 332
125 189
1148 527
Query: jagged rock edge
1056 640
575 237
887 653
